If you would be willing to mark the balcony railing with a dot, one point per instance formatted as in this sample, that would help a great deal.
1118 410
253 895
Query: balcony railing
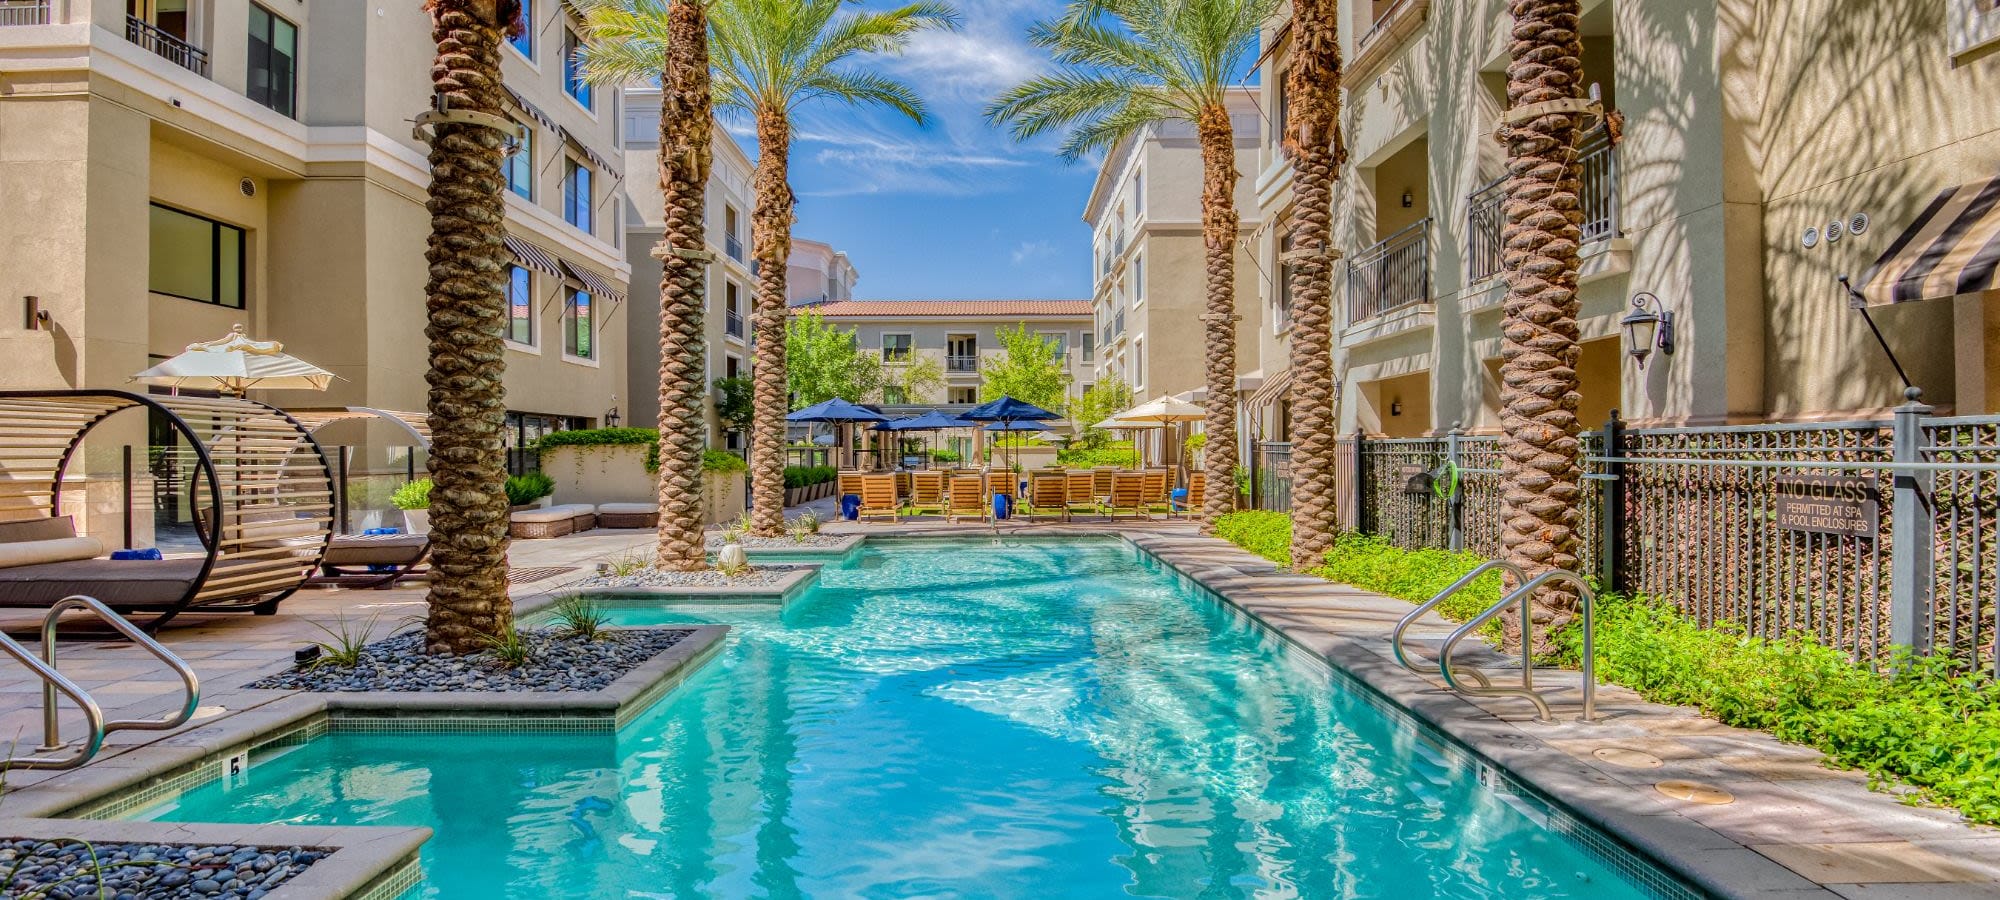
734 246
962 362
173 49
24 12
1392 274
732 322
1597 169
1118 324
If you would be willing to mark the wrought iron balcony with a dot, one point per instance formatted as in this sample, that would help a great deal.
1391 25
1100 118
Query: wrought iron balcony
962 362
168 47
1392 274
1597 170
734 246
733 323
24 12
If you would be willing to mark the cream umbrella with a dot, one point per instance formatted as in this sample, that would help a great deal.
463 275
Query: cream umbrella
1158 413
234 364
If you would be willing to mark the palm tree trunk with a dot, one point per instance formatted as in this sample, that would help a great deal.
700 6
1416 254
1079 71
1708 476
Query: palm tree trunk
771 246
466 310
1313 141
1219 224
1540 476
686 155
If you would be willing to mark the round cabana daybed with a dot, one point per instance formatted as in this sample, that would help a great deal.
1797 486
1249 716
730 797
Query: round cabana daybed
369 560
262 501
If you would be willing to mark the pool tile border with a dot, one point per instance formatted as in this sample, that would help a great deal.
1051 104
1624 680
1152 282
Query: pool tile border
364 862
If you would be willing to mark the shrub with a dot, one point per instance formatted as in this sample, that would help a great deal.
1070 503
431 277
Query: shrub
415 495
945 456
807 476
1079 458
722 462
606 437
525 489
1371 563
1267 534
578 617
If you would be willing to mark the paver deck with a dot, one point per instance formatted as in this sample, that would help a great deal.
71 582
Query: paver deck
1791 827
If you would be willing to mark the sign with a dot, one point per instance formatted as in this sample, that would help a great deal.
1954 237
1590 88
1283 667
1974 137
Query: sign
1829 504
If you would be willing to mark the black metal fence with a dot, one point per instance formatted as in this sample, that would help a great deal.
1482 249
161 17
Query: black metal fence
1776 529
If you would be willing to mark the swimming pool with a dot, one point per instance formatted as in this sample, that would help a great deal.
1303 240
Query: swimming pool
976 719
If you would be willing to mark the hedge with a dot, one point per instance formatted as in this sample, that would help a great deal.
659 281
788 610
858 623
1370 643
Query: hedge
807 476
718 461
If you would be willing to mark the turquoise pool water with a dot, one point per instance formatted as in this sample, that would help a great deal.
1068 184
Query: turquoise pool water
943 719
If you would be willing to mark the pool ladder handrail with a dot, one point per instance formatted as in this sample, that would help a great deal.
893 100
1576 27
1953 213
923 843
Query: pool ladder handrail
1524 594
1397 636
54 682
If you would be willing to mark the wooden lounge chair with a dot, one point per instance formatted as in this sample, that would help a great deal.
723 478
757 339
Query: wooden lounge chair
878 498
1100 482
1128 495
926 493
967 498
1196 493
1048 497
847 483
1080 494
1155 496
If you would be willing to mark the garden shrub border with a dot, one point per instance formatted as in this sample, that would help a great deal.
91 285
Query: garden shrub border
1928 723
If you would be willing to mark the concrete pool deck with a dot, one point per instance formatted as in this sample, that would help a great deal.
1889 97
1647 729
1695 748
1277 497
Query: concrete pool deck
1792 828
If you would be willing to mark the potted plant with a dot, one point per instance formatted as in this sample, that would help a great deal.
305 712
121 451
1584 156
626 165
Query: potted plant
414 499
530 491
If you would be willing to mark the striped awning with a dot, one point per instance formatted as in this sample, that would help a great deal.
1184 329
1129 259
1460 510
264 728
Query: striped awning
602 164
1271 391
532 256
596 284
541 118
1951 250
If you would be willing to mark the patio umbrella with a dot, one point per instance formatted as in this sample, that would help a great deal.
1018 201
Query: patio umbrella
234 364
1007 411
1160 412
836 412
931 422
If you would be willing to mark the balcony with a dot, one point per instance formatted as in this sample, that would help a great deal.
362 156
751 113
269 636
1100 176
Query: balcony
168 47
1118 325
1597 168
962 362
1391 275
733 245
25 12
732 323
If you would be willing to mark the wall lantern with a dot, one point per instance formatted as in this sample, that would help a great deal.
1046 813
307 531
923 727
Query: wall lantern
1396 407
1409 198
1648 325
611 415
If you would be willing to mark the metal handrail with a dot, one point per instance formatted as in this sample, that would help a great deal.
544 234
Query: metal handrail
54 682
1586 599
1403 625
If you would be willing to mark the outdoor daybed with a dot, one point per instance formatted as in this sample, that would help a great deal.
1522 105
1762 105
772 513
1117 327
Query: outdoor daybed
628 515
552 522
373 560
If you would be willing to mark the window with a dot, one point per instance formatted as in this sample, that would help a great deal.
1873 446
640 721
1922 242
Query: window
894 395
525 41
1284 292
1138 362
1282 112
1139 193
1138 280
964 395
521 164
1088 343
576 194
195 258
520 306
274 54
731 366
896 348
732 298
1058 341
577 325
732 242
573 83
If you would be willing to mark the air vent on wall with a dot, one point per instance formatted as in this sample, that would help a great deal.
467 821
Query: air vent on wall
1811 238
1858 224
249 187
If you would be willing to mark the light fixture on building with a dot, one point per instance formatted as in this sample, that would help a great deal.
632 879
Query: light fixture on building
1396 407
37 317
1409 198
611 415
1648 325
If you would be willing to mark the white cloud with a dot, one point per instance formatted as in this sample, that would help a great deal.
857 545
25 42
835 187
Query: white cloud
1029 251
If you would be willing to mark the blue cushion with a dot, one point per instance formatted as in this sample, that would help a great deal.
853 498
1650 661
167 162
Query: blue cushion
148 553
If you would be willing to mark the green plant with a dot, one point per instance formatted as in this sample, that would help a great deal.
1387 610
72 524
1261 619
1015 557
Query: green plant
1116 453
1267 534
823 362
945 456
804 527
629 563
733 571
734 532
415 495
345 647
509 647
733 401
1027 369
528 488
1195 442
606 437
580 617
807 476
722 462
1108 397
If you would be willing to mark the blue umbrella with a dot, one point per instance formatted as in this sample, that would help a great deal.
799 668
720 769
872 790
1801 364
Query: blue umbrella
836 411
1017 426
930 421
1008 409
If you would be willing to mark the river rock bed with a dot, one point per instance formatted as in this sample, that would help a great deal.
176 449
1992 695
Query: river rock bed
781 542
66 870
757 577
555 663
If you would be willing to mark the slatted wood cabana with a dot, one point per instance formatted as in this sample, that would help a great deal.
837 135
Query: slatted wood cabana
262 499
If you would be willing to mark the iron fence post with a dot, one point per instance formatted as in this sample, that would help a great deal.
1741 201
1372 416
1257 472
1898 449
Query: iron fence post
1911 573
1610 501
1455 502
1360 481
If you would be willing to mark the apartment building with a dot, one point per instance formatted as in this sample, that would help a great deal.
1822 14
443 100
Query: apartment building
1766 149
173 167
1150 269
960 336
818 273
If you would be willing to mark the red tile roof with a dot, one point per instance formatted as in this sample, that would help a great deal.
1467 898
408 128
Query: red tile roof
953 309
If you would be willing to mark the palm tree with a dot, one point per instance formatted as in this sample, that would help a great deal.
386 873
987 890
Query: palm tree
771 56
632 40
1124 66
1540 476
1313 143
466 310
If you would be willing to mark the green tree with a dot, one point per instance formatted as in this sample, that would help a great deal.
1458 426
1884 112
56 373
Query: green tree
1123 66
732 402
771 56
824 362
1104 399
920 380
1028 369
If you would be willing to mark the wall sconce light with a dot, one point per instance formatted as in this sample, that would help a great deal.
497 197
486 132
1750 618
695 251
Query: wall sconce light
1648 325
1409 198
37 318
1396 407
611 415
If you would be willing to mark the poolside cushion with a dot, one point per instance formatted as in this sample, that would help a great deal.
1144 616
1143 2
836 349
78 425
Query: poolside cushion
55 550
376 549
551 514
40 528
129 584
627 509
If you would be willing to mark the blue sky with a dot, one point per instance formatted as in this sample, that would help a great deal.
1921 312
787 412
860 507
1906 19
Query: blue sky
958 209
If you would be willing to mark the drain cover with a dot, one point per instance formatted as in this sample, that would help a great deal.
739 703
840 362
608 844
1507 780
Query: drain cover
1695 792
1627 757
